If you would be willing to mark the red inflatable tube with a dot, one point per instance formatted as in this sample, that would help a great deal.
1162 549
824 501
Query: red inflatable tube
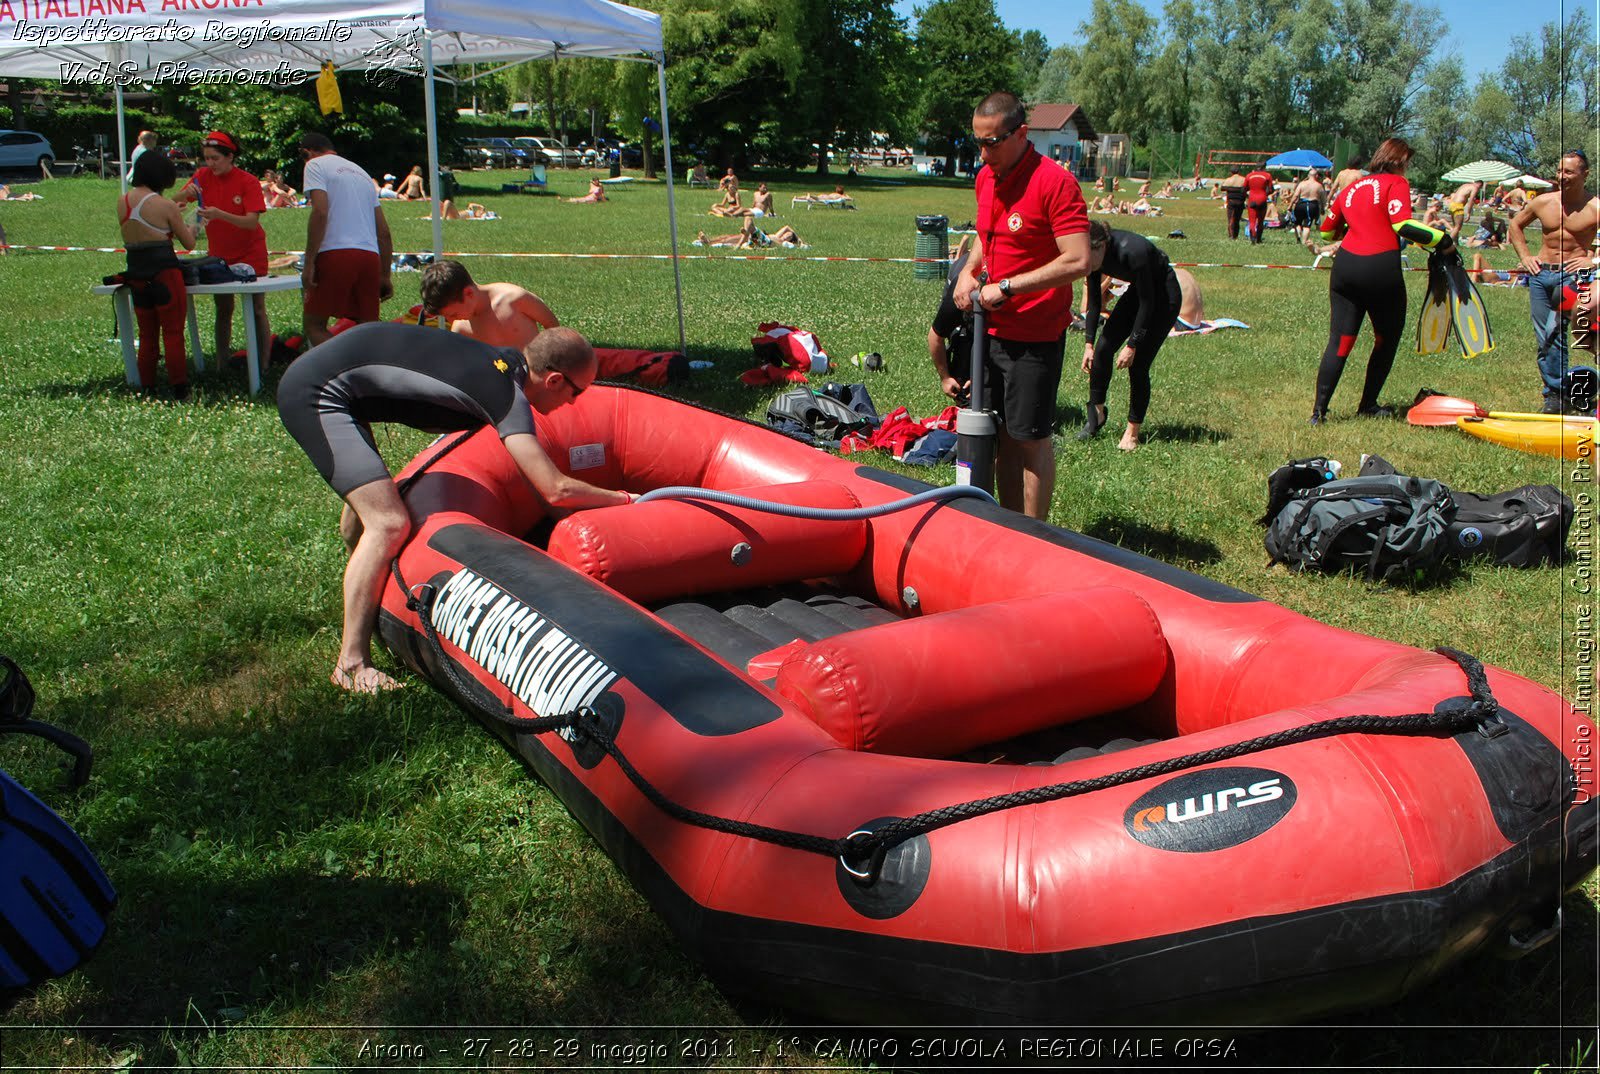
683 547
942 684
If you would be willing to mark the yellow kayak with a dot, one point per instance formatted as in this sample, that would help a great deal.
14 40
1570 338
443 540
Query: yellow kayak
1569 439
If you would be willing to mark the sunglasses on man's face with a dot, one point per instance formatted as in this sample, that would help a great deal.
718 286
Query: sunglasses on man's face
990 143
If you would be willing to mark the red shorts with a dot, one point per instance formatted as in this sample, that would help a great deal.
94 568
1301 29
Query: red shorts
347 284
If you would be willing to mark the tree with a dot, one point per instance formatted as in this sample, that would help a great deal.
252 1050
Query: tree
1548 83
1383 44
1032 51
966 53
850 50
1442 118
380 126
1052 83
1172 101
1242 96
1489 116
1110 81
734 65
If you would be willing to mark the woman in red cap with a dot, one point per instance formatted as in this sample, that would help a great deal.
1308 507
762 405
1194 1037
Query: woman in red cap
231 206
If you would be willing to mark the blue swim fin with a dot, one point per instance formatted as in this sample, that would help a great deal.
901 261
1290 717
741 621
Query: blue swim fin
54 897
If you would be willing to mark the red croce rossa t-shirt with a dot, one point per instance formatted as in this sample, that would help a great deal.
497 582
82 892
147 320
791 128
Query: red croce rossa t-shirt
1018 221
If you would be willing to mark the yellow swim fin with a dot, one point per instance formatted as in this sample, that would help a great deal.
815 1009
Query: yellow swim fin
1467 312
1433 320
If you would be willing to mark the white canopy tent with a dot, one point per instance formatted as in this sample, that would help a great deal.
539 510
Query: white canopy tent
281 42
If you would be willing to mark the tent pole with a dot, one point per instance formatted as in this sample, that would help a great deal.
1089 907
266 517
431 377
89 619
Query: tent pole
122 124
672 207
429 104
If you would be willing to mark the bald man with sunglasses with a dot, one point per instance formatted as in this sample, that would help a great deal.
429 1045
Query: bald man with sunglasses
1033 242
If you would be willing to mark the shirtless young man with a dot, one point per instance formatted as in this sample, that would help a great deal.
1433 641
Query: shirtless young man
1569 217
499 314
1350 173
1460 205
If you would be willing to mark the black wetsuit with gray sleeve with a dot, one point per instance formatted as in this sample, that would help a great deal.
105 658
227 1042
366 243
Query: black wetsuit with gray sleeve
1141 318
428 379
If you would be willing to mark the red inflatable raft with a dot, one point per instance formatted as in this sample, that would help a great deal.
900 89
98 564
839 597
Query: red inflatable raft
1103 789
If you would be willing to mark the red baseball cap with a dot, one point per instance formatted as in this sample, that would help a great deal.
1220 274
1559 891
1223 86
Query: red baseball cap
220 140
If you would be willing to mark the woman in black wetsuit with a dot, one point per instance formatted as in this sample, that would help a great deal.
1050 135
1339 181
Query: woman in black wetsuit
1137 327
1367 282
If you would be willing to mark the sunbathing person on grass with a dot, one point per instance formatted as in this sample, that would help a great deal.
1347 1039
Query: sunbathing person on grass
751 237
597 193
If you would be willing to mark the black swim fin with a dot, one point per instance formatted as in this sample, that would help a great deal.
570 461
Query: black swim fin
1433 320
54 897
1467 312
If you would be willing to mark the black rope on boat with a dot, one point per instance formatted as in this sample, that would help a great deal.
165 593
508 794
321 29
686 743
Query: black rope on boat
403 486
862 852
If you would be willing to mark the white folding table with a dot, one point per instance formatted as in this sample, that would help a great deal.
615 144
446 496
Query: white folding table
254 348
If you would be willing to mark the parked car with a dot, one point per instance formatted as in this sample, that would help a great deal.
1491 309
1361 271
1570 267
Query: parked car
25 149
548 151
495 153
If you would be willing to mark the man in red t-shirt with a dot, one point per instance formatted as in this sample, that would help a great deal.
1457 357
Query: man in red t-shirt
1033 241
1259 189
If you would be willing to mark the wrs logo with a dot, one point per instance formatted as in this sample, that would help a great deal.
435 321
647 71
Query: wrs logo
1210 810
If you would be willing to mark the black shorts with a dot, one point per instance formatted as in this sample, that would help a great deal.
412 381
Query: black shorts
339 445
1023 379
1306 213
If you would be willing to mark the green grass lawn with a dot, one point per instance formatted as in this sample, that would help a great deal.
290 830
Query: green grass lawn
291 858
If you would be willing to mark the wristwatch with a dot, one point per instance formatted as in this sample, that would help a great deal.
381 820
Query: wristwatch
1005 287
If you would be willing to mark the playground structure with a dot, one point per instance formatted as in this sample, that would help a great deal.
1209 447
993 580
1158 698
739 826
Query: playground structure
1179 154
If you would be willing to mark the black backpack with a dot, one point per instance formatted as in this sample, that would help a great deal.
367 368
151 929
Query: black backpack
807 414
1390 527
1293 477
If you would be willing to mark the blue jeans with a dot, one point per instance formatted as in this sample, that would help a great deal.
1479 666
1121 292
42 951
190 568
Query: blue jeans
1550 324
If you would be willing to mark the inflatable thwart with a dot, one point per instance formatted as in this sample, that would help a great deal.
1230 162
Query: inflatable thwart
948 765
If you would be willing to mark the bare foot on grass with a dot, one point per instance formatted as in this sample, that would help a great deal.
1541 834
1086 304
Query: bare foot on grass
363 680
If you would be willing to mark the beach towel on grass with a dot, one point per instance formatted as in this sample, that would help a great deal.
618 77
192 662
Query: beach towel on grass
1204 328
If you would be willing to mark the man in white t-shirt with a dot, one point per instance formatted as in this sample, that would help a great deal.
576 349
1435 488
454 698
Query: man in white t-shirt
348 248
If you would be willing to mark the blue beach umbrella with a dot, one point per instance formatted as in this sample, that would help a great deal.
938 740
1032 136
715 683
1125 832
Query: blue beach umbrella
1299 159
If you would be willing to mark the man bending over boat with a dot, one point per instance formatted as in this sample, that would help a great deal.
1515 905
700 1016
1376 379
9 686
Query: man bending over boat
437 382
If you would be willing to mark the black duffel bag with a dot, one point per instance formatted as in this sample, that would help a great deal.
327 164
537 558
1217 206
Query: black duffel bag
199 270
1525 527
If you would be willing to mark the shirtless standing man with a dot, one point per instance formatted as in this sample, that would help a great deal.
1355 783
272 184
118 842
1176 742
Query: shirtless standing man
1307 205
1233 190
1569 217
1460 205
499 314
1350 173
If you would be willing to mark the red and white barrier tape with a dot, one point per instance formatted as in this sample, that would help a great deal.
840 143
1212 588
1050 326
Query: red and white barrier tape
717 257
